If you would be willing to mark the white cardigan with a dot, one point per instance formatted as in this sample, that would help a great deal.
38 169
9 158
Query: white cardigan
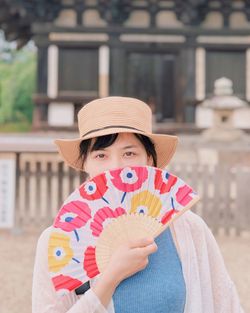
209 288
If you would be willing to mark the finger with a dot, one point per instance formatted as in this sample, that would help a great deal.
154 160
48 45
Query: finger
140 243
152 248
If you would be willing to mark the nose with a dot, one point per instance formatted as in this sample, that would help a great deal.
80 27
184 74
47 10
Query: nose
117 162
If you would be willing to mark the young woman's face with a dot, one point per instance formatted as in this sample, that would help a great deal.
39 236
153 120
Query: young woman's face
127 150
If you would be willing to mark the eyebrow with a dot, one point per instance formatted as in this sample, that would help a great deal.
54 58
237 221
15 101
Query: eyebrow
100 149
129 147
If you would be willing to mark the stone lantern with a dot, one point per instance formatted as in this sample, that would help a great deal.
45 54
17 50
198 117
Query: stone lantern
219 113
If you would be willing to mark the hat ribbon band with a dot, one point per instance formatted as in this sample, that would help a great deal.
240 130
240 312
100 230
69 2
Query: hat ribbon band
114 126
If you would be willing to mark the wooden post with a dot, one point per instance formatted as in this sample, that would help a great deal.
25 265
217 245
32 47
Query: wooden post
60 183
49 194
17 219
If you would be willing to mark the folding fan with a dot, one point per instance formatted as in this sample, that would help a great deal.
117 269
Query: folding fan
114 207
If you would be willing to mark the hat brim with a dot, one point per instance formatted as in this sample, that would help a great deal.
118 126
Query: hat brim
165 146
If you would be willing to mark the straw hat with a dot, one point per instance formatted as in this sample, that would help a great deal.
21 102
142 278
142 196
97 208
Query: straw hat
115 115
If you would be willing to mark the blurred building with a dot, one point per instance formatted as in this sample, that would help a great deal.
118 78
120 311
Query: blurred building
168 53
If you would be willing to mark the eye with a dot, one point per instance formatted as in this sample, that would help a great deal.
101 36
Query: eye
129 153
100 156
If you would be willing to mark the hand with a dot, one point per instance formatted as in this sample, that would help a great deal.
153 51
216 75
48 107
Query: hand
129 259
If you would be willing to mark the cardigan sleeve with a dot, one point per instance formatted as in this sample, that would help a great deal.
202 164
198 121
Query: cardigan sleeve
44 297
212 270
226 298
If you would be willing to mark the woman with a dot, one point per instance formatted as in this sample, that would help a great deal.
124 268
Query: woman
181 271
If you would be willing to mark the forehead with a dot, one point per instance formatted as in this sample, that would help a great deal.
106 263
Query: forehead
126 137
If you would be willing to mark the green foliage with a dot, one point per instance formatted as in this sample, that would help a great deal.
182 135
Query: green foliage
17 84
15 127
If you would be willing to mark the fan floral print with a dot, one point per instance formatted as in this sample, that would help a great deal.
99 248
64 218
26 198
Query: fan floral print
142 190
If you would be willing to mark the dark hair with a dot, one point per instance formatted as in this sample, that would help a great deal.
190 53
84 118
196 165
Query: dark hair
107 140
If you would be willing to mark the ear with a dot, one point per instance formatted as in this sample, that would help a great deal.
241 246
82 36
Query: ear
150 161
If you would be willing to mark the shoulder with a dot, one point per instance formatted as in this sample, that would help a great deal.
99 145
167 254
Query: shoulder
42 242
200 234
188 230
193 221
192 229
45 235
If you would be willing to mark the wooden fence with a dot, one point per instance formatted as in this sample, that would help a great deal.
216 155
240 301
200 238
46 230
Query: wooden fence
43 182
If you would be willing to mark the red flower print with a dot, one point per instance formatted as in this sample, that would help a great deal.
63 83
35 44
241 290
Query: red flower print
101 216
72 215
95 188
89 263
183 195
65 282
164 181
129 178
168 215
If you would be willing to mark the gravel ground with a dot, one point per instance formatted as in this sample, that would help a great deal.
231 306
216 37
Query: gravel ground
17 258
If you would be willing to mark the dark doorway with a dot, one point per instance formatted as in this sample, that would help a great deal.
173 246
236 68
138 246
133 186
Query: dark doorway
78 71
151 78
229 64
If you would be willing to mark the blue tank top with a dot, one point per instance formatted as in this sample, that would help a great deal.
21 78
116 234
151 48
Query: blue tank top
159 288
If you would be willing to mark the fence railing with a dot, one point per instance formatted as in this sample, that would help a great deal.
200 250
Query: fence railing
43 182
224 194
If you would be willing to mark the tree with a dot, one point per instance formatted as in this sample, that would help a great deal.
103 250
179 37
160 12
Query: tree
17 83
